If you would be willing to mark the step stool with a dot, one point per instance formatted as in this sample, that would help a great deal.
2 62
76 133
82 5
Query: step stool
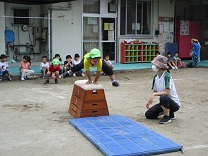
88 100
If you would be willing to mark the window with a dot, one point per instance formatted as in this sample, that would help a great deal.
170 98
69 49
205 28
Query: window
21 13
91 6
136 17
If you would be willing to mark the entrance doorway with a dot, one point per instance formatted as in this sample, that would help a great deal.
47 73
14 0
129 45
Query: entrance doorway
108 44
99 32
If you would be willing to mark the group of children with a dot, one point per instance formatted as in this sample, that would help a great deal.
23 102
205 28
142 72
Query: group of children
173 62
55 70
75 67
68 63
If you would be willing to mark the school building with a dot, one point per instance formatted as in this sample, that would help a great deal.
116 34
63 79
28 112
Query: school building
80 25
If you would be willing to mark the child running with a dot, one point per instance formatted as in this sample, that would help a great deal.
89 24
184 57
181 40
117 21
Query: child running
93 59
53 71
163 86
4 68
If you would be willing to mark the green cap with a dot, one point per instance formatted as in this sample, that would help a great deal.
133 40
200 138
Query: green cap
94 53
55 61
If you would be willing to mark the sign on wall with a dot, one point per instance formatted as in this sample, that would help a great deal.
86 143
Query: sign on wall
166 32
184 27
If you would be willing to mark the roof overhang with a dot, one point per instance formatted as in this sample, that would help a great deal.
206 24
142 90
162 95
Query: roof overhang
35 2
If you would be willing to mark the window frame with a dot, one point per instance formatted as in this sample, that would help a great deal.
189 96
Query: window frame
135 35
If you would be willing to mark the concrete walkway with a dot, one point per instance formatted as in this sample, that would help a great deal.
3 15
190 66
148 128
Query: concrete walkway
14 67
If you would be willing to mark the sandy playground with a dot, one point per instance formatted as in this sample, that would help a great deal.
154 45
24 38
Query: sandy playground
34 118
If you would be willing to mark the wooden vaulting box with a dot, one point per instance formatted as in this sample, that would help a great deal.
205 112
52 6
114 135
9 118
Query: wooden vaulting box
88 100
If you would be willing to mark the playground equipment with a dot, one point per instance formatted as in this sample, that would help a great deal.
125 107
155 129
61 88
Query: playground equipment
88 100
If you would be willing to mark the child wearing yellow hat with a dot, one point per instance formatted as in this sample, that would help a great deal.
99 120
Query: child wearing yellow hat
93 59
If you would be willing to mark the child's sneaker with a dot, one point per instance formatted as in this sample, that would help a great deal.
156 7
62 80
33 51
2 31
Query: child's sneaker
173 68
176 67
74 74
83 75
115 84
46 82
22 78
165 119
67 74
56 81
44 77
172 116
9 79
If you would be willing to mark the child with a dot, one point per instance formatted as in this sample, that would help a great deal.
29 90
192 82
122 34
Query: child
75 62
178 61
57 56
157 53
53 71
68 63
163 86
107 60
93 59
4 67
171 64
25 68
195 53
44 66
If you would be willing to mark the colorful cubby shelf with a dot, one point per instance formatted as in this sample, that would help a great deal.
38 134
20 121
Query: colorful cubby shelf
138 52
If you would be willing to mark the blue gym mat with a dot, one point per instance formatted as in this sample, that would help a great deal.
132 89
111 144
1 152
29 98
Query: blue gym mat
120 136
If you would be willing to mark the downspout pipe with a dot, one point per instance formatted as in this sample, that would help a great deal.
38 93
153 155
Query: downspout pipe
49 35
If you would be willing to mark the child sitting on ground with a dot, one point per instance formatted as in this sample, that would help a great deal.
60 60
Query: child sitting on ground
68 63
171 63
57 56
178 61
4 67
107 60
53 71
44 66
25 68
157 53
75 62
93 59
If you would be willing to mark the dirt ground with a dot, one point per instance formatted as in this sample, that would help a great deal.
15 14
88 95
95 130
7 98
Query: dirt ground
34 118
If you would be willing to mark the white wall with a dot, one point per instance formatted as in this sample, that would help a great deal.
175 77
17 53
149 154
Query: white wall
2 28
22 37
66 32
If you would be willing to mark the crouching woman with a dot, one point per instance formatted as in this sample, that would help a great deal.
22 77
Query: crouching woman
163 86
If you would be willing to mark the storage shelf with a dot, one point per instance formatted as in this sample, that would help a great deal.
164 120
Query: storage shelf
138 53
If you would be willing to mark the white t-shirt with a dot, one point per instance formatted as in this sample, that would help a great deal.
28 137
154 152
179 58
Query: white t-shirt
4 65
166 82
76 62
46 65
108 62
